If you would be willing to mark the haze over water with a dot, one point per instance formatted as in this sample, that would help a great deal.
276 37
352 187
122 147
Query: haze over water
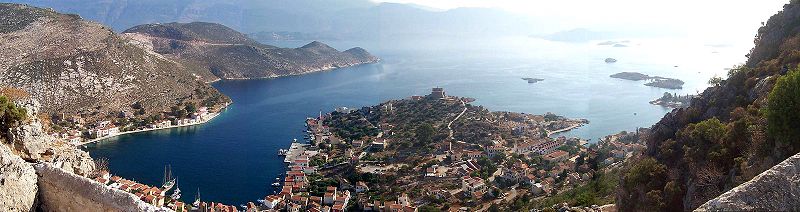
233 159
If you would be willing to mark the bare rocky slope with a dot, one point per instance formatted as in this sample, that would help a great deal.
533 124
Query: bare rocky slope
77 67
731 133
222 52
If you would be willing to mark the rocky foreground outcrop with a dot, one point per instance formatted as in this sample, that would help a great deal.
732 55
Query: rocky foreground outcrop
30 142
41 173
63 191
17 182
777 189
222 52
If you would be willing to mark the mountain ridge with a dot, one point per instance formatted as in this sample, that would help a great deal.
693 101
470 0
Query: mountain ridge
229 54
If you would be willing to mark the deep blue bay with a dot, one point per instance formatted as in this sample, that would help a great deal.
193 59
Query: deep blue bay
233 159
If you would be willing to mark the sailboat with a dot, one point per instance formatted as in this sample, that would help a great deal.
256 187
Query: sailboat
197 199
177 193
169 182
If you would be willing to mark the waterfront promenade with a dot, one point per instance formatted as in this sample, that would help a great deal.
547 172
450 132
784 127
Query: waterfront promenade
211 116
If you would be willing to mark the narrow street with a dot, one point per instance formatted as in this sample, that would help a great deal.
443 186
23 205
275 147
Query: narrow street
457 117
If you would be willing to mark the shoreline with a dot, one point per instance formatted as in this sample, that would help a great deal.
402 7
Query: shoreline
211 117
572 127
294 74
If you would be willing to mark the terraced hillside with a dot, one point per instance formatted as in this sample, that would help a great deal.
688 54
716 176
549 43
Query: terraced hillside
222 52
75 67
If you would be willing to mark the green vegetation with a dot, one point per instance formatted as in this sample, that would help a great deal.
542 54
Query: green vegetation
715 81
783 110
487 168
425 133
428 208
10 115
599 191
644 181
351 126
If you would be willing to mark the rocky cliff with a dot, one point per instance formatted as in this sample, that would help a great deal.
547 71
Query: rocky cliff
17 182
224 53
30 142
77 67
724 138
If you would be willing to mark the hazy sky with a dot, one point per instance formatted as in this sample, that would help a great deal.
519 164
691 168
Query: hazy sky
705 19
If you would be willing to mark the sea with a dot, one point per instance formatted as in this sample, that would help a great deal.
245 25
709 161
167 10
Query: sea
233 158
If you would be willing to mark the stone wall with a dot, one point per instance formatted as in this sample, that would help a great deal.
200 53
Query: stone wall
777 189
60 190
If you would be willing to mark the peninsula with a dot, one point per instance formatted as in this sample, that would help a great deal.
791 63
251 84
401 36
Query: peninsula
435 152
219 52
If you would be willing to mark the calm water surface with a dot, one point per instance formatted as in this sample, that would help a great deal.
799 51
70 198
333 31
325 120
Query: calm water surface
233 158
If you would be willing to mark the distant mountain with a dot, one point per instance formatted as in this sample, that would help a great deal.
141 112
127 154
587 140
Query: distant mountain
74 66
222 52
346 19
578 35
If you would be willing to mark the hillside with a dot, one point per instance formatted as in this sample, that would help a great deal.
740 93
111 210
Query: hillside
225 53
732 132
81 68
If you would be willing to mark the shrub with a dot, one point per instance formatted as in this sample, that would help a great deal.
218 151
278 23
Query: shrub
645 172
782 109
10 115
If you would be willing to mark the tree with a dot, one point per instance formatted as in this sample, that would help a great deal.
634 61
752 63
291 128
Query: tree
715 81
494 208
190 107
101 164
782 109
10 114
428 208
425 133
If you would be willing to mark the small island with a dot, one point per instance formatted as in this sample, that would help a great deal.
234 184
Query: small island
635 76
667 83
671 100
614 43
654 81
611 60
532 80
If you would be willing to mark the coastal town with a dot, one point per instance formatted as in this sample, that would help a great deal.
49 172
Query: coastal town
76 131
424 153
438 153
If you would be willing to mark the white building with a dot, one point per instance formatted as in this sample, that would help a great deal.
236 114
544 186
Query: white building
472 186
272 201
